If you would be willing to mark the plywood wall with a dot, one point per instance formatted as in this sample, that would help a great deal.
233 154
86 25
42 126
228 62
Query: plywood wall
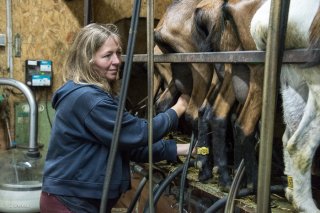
47 28
114 10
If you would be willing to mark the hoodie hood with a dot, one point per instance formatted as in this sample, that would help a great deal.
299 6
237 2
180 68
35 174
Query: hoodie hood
64 91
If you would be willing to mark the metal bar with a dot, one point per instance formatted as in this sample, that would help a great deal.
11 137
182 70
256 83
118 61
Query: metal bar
87 12
290 56
150 44
274 55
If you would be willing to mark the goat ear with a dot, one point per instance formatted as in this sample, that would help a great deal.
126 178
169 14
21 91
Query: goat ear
157 50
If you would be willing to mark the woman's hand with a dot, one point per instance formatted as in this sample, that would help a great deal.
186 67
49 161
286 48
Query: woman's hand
181 106
183 149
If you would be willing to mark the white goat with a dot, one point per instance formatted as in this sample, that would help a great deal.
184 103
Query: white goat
300 90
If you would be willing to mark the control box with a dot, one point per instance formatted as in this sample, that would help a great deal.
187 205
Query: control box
39 73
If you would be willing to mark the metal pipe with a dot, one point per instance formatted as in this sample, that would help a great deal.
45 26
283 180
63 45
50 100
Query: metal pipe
150 47
9 37
274 54
296 56
87 12
33 150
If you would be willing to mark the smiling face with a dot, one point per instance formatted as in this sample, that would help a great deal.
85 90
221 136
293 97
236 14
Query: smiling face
107 60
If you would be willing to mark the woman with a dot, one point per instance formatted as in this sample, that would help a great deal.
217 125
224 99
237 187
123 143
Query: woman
86 107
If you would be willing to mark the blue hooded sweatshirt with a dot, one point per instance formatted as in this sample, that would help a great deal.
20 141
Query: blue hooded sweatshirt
81 137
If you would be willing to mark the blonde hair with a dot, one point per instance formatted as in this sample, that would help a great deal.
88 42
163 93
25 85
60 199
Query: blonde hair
78 66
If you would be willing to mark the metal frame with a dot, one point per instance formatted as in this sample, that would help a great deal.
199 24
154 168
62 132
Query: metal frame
150 60
269 92
289 57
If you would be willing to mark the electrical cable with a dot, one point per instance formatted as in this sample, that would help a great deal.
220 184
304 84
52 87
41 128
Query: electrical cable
123 95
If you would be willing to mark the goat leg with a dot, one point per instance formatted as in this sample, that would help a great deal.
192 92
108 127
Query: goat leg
218 128
203 160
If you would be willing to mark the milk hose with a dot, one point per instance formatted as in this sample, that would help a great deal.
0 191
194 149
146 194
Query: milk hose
144 173
123 95
184 175
139 188
234 188
165 183
242 193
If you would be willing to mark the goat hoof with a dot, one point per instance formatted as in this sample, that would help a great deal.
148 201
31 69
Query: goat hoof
205 170
205 175
224 187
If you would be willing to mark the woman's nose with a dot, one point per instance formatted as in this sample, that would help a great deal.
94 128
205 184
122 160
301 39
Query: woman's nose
116 59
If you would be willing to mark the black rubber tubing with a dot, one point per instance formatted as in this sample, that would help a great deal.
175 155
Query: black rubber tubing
165 183
123 95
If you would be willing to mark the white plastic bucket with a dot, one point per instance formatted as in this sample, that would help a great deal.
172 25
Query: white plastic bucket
23 197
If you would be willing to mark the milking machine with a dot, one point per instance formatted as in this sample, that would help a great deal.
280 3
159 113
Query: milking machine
184 173
21 170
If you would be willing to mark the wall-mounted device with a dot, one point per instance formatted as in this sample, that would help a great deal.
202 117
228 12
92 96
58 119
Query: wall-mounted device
39 73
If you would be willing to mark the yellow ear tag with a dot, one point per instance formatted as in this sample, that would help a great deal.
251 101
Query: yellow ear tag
290 182
202 150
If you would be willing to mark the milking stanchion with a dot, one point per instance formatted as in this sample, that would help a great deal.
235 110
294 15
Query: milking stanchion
21 172
150 45
211 190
